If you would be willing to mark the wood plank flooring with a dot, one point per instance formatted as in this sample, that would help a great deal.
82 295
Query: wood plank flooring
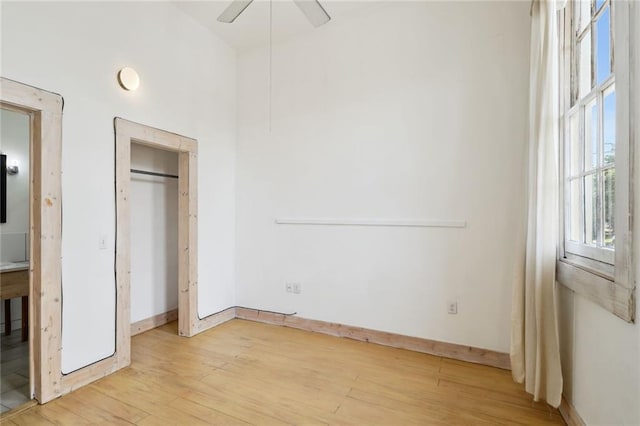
244 372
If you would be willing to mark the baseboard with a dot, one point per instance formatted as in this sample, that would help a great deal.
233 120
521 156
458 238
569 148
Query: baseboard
570 414
432 347
215 319
153 322
167 317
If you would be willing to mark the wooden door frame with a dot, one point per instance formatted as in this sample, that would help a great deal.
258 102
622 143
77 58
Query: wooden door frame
189 322
45 234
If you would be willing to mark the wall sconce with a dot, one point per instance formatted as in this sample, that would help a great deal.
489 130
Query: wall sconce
128 79
13 168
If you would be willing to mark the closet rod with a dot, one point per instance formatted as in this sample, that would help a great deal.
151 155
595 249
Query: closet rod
144 172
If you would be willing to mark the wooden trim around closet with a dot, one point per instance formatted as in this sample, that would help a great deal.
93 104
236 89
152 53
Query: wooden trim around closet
127 132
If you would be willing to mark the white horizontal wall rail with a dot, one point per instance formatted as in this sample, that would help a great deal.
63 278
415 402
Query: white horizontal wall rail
375 222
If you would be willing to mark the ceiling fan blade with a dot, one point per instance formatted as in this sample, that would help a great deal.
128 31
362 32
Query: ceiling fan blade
314 11
234 10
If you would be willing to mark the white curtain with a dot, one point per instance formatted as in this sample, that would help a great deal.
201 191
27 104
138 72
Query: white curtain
535 353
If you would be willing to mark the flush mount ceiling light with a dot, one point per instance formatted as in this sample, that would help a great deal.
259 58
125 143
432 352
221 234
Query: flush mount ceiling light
312 9
128 79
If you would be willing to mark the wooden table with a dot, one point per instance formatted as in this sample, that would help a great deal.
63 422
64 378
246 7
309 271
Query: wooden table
15 284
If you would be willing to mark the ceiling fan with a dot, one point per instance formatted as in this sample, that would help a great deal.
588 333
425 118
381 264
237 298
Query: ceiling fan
312 9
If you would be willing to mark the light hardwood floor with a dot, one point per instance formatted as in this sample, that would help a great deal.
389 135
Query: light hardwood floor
244 372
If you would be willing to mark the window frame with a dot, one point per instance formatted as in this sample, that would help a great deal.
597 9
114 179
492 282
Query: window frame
610 286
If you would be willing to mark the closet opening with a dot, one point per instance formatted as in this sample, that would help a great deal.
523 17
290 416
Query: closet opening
156 193
154 237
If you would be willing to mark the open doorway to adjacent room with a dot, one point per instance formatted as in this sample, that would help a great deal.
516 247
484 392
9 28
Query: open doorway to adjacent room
15 136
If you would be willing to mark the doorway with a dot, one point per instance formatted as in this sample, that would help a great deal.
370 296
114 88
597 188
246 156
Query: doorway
41 317
14 257
154 237
128 133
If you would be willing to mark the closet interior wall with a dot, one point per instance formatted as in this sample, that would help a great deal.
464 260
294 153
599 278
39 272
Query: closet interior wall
154 233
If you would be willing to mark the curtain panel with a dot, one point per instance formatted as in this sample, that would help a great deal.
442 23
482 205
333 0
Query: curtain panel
535 352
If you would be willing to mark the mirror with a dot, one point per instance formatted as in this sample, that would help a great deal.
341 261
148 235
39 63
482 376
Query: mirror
3 188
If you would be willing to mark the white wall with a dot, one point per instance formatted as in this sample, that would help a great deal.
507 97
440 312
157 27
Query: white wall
601 362
412 110
154 233
188 86
600 352
14 142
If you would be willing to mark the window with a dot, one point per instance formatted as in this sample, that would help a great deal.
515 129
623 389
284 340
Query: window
595 237
590 129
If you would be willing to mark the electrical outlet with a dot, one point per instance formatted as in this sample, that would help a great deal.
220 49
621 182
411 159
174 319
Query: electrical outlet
102 242
289 287
452 307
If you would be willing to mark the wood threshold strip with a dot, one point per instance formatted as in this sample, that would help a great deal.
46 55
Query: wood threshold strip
432 347
153 322
570 414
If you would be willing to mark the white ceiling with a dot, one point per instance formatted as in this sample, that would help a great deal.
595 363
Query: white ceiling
251 29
